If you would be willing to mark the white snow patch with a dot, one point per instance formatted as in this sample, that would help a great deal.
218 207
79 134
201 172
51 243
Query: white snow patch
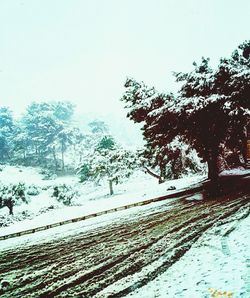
92 198
236 171
207 267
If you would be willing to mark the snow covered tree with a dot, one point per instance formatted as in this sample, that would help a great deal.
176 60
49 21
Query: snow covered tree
170 162
47 126
21 143
63 110
98 126
164 151
114 164
210 111
42 127
232 82
64 138
6 133
97 137
107 142
214 106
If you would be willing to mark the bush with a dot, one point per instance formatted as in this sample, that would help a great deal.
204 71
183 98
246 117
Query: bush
46 187
48 175
12 194
46 209
6 220
64 194
18 191
84 173
33 190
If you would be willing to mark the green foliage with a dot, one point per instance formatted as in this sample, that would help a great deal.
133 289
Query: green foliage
64 194
33 190
209 113
106 143
6 133
12 194
42 127
18 191
63 110
40 137
84 172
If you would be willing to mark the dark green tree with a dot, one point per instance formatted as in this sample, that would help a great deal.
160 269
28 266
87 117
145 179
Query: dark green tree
209 113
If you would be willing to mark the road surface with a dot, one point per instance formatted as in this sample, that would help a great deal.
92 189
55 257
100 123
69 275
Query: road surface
84 265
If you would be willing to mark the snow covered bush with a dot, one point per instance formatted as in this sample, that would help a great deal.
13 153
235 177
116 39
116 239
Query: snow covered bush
48 175
6 220
12 194
46 209
84 172
64 194
33 190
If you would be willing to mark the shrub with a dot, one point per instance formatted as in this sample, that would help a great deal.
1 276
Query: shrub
33 190
46 209
48 175
64 194
6 220
12 194
84 172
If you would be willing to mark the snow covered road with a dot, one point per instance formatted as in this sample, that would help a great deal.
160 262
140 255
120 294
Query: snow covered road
116 259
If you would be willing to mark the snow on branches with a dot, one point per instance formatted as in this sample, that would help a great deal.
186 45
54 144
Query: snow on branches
209 112
108 161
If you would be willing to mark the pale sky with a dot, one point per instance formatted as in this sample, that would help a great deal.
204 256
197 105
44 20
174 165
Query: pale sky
83 50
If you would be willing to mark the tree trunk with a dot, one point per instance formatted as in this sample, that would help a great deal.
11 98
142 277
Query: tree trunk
152 173
213 170
214 188
163 173
10 206
11 209
62 160
54 157
111 191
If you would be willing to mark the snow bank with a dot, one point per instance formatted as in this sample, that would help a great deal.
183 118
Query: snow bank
97 201
91 199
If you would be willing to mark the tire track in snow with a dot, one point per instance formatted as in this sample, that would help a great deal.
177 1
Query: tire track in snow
86 264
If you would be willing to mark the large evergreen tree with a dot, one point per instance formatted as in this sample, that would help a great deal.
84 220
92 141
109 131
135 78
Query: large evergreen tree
209 112
47 126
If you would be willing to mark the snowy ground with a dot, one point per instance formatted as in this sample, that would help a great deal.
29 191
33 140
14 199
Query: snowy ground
87 225
91 199
235 172
218 264
148 251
